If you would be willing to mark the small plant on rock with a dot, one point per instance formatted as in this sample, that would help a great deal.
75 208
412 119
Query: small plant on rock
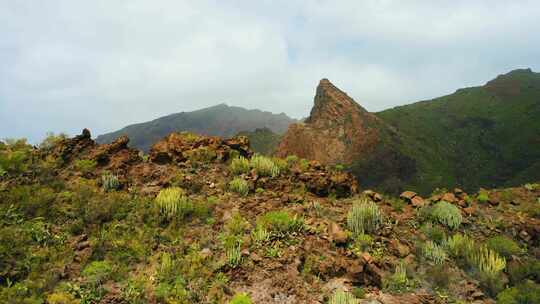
503 245
433 252
447 214
239 185
398 281
173 203
264 166
281 222
109 182
364 217
342 297
241 298
85 166
487 262
239 165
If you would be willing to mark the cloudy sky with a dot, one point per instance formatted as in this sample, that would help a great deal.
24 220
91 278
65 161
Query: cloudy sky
101 64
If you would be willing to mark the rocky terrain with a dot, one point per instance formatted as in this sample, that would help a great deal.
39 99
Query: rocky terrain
205 220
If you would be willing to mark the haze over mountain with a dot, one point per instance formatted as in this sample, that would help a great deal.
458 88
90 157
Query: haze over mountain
220 120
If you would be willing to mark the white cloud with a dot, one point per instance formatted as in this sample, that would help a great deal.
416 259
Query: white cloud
65 64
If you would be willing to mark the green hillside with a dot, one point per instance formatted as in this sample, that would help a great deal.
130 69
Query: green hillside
220 120
483 136
262 140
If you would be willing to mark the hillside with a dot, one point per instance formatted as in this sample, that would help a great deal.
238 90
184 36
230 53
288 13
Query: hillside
221 120
340 131
262 140
202 220
485 136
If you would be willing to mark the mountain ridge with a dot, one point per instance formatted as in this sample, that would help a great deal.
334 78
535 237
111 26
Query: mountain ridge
219 120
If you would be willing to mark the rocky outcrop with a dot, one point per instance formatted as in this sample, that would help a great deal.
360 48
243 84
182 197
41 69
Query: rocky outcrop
340 131
179 147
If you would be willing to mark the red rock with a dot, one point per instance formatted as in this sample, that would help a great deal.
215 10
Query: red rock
407 195
417 201
449 197
337 234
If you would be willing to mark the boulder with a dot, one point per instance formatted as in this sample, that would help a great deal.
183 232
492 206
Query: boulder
407 195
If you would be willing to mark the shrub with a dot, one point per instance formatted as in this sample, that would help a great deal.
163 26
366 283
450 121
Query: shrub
433 252
483 196
264 166
291 160
85 166
61 298
527 293
447 214
109 182
52 140
97 272
234 255
527 269
364 217
260 234
503 246
173 203
239 165
241 298
460 245
398 281
281 222
342 297
487 262
239 185
434 233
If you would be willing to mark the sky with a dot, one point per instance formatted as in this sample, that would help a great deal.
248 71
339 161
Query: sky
70 64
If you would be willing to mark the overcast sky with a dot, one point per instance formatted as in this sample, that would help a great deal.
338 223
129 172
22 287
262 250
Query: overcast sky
69 64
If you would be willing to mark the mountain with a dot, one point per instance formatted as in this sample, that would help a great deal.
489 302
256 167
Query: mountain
486 136
340 131
220 120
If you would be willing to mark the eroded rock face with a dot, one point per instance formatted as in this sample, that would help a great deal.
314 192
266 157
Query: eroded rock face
337 130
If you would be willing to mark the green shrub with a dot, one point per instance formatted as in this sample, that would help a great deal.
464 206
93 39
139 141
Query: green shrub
527 293
264 166
482 196
110 182
239 165
234 255
85 166
398 281
97 272
503 245
260 234
433 252
460 245
241 298
487 262
281 222
52 140
173 203
61 298
434 232
447 214
526 269
342 297
364 217
291 160
240 186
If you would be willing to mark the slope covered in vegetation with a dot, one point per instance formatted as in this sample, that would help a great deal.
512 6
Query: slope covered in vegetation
204 220
485 136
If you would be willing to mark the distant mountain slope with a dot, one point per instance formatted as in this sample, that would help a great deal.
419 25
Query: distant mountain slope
220 120
262 140
483 136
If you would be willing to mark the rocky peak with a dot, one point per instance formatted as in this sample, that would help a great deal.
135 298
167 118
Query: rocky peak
338 130
331 104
